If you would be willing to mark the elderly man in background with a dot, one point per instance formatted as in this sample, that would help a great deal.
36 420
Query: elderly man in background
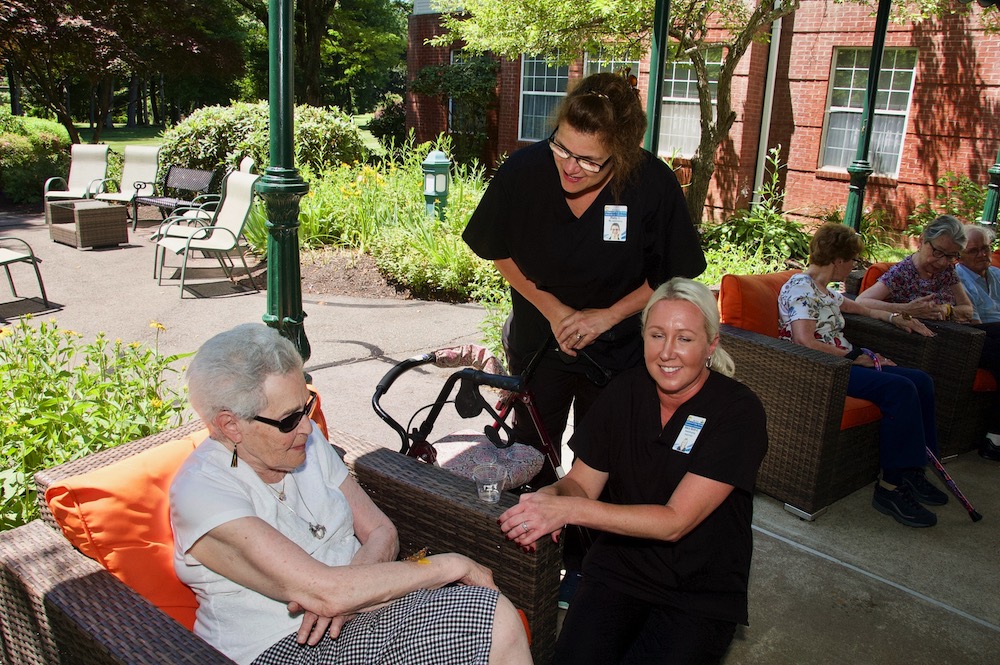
981 281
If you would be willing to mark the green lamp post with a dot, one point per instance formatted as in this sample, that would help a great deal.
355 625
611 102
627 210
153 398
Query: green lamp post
861 168
654 97
281 187
437 178
989 215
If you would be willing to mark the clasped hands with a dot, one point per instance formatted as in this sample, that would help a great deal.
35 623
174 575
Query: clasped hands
579 328
925 308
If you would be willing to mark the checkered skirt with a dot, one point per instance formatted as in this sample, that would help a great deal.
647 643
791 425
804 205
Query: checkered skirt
447 626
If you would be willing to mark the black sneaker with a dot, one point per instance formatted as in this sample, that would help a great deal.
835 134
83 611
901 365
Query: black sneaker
902 506
567 588
922 488
989 450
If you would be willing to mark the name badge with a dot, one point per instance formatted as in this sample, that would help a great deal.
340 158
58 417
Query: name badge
689 434
615 223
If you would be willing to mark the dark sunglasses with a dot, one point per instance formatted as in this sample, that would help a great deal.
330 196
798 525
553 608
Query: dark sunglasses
291 421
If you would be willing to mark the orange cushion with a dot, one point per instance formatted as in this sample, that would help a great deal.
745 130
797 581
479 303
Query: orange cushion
985 382
995 258
119 516
858 412
317 414
750 302
874 271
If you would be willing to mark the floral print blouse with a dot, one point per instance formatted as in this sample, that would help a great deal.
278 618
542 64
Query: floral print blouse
906 284
802 299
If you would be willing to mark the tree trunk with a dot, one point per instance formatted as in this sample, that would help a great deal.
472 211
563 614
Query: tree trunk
131 119
15 91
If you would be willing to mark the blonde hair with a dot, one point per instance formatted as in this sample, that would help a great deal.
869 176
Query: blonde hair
696 293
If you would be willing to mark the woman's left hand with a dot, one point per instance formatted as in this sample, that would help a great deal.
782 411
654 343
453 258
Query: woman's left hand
909 324
581 328
313 626
885 362
535 515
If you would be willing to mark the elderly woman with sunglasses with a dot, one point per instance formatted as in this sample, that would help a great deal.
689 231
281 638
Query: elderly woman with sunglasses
289 558
924 284
548 222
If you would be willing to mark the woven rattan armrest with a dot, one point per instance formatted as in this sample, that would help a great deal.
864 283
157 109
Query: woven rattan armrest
58 606
439 510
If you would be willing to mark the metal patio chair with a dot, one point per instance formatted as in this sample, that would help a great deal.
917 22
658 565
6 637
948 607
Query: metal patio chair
9 256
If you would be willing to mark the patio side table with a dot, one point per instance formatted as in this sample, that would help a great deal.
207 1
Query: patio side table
88 223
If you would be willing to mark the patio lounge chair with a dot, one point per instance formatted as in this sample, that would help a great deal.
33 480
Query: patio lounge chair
140 167
88 168
59 606
218 235
20 255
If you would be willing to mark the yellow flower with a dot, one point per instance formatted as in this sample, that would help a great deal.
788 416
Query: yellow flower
70 333
134 345
157 325
155 403
6 332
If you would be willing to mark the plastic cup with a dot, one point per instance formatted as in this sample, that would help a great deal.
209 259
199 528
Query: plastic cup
489 481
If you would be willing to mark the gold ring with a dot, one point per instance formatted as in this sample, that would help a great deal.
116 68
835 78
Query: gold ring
524 525
579 336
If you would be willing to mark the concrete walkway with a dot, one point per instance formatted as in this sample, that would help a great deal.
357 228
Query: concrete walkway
852 587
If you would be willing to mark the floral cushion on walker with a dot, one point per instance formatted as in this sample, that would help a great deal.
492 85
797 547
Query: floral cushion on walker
463 451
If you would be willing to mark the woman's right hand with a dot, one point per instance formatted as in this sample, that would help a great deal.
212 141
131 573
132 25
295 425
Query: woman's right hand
925 308
473 574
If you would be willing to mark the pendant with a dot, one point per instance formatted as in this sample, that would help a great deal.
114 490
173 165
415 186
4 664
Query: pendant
281 495
318 531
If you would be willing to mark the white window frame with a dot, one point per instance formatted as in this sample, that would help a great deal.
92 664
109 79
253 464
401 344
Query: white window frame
680 94
887 143
599 62
559 76
457 56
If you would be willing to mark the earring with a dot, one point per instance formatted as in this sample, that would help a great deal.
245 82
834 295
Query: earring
708 362
236 459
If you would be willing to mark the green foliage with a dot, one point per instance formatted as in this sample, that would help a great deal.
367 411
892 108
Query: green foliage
64 399
737 260
874 223
763 230
470 88
31 151
958 195
217 137
388 124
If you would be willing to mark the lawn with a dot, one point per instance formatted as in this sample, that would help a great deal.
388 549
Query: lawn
120 136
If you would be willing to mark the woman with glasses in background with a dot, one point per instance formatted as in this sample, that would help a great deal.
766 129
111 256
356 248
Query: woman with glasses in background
290 560
546 221
925 284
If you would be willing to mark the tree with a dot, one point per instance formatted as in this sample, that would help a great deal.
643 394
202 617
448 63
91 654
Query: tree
564 31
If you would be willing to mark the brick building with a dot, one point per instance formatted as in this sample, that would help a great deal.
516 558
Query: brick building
937 110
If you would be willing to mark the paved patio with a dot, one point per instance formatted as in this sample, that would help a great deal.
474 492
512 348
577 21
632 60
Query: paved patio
851 587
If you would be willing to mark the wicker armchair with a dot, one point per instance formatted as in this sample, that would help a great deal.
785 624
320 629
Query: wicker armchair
58 606
822 445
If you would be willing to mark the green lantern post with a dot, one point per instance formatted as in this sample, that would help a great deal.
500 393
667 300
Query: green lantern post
861 168
437 178
281 187
989 215
654 96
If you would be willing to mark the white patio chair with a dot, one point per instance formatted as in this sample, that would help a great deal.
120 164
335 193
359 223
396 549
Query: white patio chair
20 255
88 168
140 167
218 235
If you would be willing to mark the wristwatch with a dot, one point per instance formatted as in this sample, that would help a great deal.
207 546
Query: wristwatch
892 315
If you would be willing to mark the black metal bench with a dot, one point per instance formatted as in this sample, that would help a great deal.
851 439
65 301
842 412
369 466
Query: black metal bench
180 187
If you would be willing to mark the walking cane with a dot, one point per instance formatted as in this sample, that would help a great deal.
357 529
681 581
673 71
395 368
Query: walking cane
952 486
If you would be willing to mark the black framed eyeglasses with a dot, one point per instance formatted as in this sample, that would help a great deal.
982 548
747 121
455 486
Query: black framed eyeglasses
562 153
292 420
938 254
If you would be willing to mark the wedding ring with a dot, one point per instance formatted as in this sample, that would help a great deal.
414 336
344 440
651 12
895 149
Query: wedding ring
524 525
579 336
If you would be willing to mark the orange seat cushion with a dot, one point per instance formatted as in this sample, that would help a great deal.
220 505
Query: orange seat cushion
119 516
985 382
750 302
858 412
995 258
874 271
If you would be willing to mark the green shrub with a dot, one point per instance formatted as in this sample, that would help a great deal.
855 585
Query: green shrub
217 137
388 124
31 151
762 230
64 400
959 196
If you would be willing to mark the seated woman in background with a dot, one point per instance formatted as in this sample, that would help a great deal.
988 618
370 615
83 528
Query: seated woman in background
926 284
666 461
981 281
811 314
289 558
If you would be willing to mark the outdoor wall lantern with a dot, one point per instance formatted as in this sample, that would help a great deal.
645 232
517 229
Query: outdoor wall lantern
437 170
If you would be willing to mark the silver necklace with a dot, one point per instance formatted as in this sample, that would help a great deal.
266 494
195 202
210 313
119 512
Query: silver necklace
317 530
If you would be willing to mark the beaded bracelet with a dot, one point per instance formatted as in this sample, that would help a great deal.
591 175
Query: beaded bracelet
871 354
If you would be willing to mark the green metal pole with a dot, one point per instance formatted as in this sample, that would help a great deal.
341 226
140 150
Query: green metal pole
654 97
861 168
281 187
992 195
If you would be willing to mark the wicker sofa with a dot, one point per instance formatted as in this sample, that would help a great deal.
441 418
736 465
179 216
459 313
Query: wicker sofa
58 606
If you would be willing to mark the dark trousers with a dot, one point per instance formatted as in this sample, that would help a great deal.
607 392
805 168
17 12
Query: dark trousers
605 627
905 396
